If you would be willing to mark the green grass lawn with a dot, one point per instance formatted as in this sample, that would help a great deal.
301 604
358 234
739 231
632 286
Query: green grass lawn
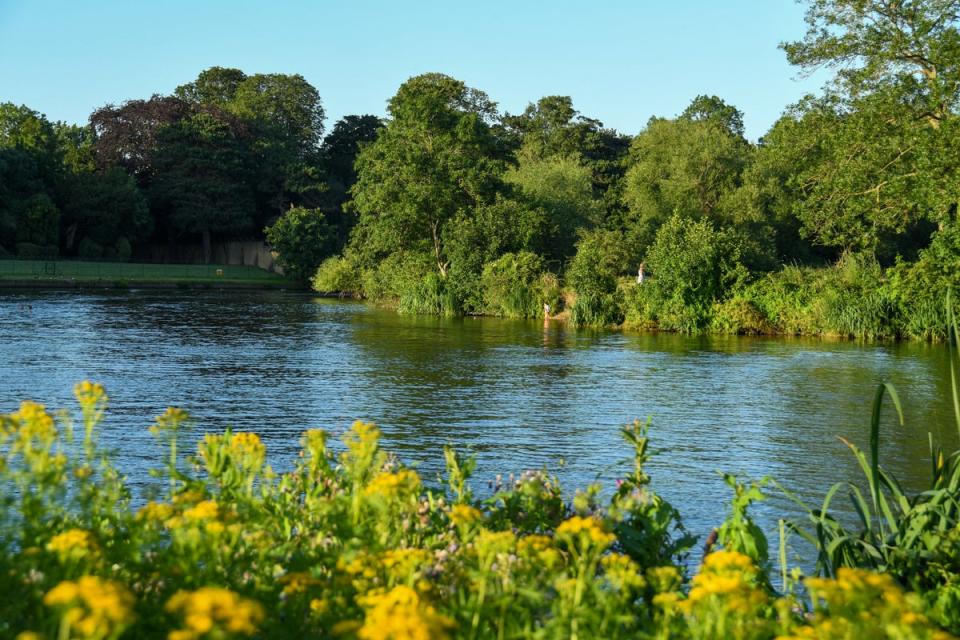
81 271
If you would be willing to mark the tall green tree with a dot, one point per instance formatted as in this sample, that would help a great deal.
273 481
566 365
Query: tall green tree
285 116
105 213
302 239
687 167
552 127
886 129
435 158
216 87
202 179
338 156
562 187
30 168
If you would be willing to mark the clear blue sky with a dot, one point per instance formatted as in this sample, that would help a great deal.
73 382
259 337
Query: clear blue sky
622 61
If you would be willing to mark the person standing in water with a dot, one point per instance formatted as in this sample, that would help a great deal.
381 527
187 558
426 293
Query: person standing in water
640 274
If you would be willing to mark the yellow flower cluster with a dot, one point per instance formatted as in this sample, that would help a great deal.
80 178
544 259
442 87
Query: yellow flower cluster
33 422
361 439
155 512
728 579
490 543
463 515
170 420
89 395
214 608
393 484
401 614
93 607
205 510
539 550
248 451
860 603
578 527
622 573
297 582
403 563
72 541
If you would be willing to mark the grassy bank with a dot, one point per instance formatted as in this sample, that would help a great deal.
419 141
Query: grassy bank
66 272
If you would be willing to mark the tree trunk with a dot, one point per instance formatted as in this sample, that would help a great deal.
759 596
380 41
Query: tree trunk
206 246
441 265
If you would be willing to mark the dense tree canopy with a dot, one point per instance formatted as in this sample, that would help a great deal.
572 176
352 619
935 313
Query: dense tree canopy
435 158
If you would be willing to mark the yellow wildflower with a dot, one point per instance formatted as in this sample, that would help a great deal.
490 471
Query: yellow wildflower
585 529
170 420
540 550
859 601
464 515
215 527
664 579
29 635
206 510
72 541
489 544
402 563
88 392
97 608
92 399
401 614
622 572
208 608
297 582
393 485
155 512
33 425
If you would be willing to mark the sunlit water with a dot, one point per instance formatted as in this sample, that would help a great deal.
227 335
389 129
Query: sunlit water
519 395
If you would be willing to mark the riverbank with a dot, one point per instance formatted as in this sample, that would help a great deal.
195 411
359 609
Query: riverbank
41 274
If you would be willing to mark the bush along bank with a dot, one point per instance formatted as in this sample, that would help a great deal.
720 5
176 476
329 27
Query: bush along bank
353 544
696 280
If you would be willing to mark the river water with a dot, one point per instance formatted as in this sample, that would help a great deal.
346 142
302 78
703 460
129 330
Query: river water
519 395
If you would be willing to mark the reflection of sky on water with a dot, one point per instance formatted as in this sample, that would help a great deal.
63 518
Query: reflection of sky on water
518 394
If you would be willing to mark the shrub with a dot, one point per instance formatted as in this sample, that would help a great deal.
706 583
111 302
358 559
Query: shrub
89 250
511 285
692 266
302 239
338 274
593 276
31 251
123 250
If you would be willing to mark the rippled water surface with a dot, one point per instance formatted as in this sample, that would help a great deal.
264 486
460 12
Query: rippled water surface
518 394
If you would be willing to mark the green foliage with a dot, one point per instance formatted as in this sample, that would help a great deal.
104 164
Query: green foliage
912 537
648 527
435 158
200 177
561 186
302 239
693 266
849 299
687 167
338 274
105 207
593 276
353 541
38 222
739 532
511 285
